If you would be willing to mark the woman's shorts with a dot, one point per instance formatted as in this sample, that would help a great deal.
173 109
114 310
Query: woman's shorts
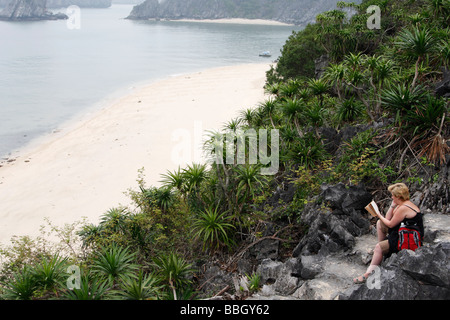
384 245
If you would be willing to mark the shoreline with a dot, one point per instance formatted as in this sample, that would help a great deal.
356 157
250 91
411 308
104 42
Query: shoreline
87 167
237 21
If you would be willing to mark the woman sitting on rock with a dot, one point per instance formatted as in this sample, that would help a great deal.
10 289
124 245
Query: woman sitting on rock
401 210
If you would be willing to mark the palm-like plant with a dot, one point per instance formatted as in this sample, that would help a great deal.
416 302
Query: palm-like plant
268 108
49 273
426 116
115 263
90 233
114 219
91 288
417 44
195 175
175 179
233 124
315 115
21 287
428 121
422 117
213 147
331 26
353 61
138 231
248 116
401 98
144 287
444 53
318 87
292 109
288 136
349 110
307 151
249 180
212 227
173 271
273 88
440 8
162 197
335 74
288 89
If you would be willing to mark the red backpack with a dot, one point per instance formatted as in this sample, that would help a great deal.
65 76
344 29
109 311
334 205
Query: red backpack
409 237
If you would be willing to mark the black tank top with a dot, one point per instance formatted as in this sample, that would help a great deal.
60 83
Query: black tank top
417 220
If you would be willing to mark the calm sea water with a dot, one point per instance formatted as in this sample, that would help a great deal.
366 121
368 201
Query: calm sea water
50 73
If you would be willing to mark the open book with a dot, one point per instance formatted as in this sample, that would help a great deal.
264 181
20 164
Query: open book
373 208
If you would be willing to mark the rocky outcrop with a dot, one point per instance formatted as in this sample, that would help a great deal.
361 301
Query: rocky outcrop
19 10
442 88
334 225
409 275
299 12
338 247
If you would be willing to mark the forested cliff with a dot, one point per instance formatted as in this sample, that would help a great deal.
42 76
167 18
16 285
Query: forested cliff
299 12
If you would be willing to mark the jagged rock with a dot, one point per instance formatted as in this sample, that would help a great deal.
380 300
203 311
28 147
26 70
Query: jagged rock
435 196
339 246
266 249
336 249
394 285
427 264
286 282
214 280
18 10
332 275
408 275
344 198
330 138
310 266
278 277
321 64
269 270
335 226
437 228
442 88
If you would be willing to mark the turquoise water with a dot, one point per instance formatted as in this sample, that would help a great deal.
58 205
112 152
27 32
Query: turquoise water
49 73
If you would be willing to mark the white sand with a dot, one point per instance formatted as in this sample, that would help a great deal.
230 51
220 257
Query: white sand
84 170
238 21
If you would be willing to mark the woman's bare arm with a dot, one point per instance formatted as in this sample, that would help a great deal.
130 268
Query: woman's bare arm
395 219
390 212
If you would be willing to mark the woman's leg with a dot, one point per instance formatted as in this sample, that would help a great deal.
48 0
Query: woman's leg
377 258
382 231
380 249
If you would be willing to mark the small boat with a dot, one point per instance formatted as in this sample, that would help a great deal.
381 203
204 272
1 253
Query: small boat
265 54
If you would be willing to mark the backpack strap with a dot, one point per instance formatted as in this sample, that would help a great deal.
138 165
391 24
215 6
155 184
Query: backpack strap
411 208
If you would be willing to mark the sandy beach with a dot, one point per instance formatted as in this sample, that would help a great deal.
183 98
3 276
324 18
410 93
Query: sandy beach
86 168
238 21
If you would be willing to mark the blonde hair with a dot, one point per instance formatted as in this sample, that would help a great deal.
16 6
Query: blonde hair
399 190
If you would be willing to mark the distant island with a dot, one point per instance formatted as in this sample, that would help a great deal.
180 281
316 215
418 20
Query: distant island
66 3
80 3
298 12
30 10
20 10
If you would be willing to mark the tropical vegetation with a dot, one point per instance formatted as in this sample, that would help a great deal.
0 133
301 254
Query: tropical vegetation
379 81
